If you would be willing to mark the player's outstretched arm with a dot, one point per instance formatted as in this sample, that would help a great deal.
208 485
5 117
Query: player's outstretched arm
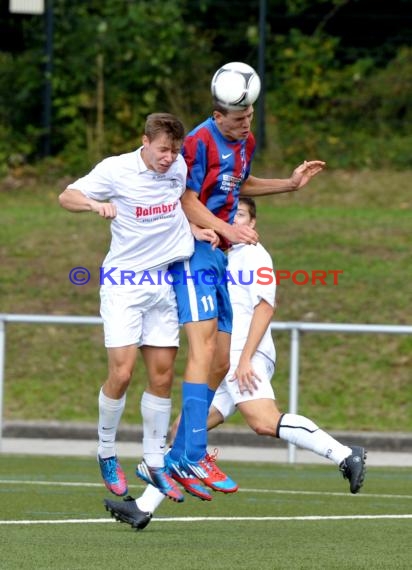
302 174
75 201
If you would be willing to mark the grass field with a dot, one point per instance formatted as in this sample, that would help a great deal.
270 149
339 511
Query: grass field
284 517
357 222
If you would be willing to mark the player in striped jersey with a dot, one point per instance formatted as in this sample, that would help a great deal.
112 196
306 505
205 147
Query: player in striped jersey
218 153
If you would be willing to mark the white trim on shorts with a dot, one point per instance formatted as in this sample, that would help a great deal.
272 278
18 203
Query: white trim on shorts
191 291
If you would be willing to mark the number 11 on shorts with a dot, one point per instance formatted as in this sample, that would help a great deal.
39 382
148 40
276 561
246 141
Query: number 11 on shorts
208 304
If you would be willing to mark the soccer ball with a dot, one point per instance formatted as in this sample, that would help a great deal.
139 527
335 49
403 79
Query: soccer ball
235 86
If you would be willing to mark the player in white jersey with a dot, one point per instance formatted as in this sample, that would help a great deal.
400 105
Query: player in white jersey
247 386
140 193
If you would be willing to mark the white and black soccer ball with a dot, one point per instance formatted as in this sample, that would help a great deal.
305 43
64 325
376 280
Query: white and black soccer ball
235 85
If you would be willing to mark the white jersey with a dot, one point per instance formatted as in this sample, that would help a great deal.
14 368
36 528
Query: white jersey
245 262
150 229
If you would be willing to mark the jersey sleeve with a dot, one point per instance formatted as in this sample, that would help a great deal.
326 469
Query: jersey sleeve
181 174
98 183
195 154
264 283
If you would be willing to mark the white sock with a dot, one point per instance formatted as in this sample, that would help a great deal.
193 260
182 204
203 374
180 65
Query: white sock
303 432
150 499
156 417
110 413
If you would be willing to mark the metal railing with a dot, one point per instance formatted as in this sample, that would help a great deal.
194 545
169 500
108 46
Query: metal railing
295 328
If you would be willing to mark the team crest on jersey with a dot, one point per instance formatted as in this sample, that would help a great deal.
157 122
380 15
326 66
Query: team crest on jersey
174 183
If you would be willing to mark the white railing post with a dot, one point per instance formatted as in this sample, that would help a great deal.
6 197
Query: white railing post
2 371
293 384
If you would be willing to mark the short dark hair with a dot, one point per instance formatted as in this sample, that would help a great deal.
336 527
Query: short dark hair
221 108
217 106
157 123
251 205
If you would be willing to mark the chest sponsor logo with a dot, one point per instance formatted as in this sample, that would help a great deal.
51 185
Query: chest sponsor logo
155 212
229 183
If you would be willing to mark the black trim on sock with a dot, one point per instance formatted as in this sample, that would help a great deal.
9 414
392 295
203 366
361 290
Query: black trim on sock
278 426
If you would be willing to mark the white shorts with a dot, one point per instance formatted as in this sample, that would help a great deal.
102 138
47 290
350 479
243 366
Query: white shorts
141 315
227 396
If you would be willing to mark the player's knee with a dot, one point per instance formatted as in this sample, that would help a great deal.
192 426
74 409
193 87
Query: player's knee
202 351
209 346
121 377
161 385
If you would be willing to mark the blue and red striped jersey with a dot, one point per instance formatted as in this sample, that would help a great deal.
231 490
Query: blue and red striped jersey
217 167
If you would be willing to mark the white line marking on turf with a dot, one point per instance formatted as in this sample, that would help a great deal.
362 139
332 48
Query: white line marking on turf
328 493
216 519
51 483
242 490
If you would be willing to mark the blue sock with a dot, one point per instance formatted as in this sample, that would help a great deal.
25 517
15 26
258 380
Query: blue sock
178 446
195 409
210 396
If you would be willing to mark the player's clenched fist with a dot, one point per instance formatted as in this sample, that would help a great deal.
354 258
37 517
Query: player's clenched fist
105 210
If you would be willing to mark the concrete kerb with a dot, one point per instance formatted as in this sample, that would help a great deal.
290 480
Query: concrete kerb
222 436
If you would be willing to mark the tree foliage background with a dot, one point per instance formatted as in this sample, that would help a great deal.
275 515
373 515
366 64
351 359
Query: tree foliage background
338 76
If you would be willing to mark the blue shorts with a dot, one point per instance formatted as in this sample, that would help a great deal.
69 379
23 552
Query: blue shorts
200 285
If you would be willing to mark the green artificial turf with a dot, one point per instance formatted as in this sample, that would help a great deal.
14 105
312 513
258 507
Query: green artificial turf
282 517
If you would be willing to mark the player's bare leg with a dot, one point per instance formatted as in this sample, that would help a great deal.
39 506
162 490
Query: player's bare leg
156 409
112 401
221 360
